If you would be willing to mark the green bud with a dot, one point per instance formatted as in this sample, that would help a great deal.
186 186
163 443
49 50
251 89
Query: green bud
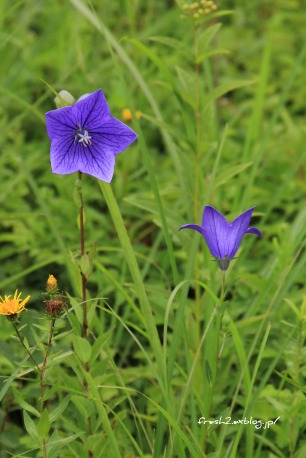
64 99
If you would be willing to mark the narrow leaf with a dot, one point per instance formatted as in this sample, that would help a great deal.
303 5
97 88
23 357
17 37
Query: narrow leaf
30 426
82 348
43 425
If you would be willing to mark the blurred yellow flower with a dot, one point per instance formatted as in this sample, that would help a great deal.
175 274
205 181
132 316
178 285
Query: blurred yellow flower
13 306
127 115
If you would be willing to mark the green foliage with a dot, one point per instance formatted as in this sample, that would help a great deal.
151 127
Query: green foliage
222 122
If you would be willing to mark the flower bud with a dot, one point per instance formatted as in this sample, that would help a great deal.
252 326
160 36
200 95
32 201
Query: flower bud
64 99
51 285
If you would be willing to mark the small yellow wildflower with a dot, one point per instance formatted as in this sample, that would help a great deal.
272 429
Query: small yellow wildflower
13 306
127 115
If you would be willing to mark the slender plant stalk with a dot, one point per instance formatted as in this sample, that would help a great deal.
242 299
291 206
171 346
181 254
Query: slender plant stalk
44 365
21 341
41 371
216 352
42 376
82 245
197 68
84 305
4 420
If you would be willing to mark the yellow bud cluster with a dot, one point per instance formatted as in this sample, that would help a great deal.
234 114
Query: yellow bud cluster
197 9
51 285
54 305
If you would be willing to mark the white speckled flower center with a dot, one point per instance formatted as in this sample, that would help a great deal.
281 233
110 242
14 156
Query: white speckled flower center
82 136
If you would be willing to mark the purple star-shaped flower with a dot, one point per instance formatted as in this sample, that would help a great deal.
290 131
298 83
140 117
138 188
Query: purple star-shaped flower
223 238
86 138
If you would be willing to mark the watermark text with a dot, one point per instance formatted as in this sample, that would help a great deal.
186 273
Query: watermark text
258 424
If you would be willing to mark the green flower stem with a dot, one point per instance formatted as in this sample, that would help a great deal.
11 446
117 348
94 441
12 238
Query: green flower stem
82 245
197 69
44 365
26 349
84 283
42 376
216 352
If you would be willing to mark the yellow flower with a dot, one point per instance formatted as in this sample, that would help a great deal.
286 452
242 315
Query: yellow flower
127 115
13 306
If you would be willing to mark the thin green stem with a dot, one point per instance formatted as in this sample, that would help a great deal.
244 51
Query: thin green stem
26 349
197 163
42 376
84 284
82 246
214 368
44 365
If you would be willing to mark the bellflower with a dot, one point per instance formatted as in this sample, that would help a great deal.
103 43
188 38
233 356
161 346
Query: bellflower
86 138
223 239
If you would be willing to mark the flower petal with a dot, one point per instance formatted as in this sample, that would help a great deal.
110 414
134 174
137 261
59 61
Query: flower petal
97 161
195 227
237 230
91 110
216 231
114 135
254 230
61 123
64 156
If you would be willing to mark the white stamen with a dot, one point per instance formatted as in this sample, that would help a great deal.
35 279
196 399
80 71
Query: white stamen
84 138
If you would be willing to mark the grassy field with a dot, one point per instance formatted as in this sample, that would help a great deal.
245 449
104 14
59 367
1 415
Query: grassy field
174 363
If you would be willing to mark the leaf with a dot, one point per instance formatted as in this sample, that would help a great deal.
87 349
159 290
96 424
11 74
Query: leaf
186 92
208 35
76 197
85 406
91 255
30 426
59 409
173 43
43 426
225 88
207 54
23 404
54 445
85 265
38 340
230 172
76 305
153 57
82 348
208 372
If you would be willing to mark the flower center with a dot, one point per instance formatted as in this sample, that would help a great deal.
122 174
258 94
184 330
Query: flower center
82 136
